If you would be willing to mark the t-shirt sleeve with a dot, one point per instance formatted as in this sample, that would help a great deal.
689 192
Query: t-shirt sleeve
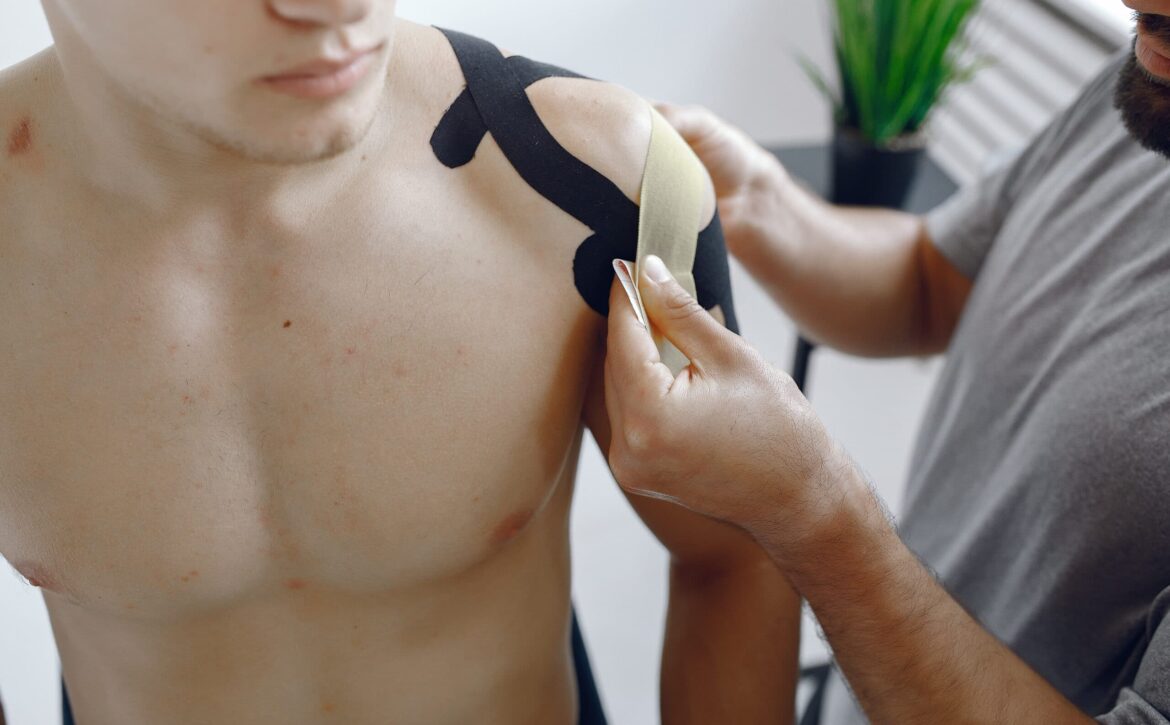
1147 700
965 227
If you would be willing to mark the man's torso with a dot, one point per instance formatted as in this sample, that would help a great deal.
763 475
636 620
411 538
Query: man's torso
283 465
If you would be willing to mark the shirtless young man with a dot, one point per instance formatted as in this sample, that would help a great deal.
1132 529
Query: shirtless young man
289 410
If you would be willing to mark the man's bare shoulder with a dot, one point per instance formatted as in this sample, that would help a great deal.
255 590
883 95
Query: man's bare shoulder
603 124
14 130
24 98
424 69
15 140
24 91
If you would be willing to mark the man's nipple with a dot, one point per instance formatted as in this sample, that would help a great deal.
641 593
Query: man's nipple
36 575
511 527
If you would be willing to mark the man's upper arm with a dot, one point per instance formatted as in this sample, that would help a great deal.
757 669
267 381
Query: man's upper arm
608 128
692 539
1147 700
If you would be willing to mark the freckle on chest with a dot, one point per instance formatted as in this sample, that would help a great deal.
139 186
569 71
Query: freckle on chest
20 138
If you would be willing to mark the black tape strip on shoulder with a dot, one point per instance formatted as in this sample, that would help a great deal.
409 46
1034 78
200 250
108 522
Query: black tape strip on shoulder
495 100
461 129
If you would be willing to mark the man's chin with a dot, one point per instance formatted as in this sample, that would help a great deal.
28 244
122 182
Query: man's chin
294 151
294 154
1144 103
310 138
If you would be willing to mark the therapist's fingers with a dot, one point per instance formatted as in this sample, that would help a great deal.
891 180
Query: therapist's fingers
732 158
633 364
683 321
691 122
712 140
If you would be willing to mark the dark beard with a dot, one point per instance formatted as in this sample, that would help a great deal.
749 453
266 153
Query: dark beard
1144 100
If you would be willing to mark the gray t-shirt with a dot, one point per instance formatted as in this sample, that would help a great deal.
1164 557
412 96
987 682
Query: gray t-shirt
1040 486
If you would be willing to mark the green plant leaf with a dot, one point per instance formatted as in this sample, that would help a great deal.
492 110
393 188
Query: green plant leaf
894 58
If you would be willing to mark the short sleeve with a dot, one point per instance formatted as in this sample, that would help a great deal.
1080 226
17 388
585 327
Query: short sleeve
965 227
1147 700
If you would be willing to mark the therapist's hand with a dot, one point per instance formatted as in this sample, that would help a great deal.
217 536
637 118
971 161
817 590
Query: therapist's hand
751 186
730 437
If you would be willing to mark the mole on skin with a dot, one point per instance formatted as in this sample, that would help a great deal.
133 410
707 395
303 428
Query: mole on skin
20 139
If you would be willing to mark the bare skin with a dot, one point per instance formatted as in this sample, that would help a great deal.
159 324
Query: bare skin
297 444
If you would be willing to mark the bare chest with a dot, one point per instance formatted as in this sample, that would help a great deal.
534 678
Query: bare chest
365 413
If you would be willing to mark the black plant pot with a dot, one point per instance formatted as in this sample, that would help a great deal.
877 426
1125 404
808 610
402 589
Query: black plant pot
868 175
864 175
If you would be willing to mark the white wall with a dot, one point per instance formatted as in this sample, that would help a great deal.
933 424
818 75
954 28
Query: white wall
735 56
23 30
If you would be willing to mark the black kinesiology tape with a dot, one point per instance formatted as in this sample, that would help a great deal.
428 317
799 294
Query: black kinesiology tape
496 101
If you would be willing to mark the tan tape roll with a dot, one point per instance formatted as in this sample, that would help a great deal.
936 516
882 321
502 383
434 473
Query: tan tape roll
668 222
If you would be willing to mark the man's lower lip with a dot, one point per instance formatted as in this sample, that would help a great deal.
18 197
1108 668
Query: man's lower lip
1150 59
327 86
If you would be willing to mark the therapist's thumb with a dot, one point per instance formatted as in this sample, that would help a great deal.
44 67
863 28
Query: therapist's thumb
681 319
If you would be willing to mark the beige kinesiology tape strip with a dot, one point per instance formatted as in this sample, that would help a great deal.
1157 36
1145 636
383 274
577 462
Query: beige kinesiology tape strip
668 222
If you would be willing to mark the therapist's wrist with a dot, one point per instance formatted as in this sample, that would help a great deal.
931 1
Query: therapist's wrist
769 214
838 511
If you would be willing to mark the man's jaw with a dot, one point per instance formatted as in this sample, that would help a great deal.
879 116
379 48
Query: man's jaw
1142 92
1152 46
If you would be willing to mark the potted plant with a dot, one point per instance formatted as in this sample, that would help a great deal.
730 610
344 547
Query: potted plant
894 60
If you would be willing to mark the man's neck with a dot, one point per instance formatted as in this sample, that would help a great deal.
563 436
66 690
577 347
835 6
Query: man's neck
123 148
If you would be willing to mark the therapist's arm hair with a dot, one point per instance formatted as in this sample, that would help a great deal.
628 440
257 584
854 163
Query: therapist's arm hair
865 281
909 651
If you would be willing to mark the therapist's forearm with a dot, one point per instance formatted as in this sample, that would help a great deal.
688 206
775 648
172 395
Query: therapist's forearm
911 654
730 654
850 278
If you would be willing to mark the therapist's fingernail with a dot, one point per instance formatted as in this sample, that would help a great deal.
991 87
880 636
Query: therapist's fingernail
655 269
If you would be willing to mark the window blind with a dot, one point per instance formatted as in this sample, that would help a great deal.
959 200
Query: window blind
1035 56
